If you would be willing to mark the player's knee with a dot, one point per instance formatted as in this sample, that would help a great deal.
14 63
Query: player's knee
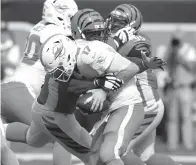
108 150
131 159
106 154
37 141
147 153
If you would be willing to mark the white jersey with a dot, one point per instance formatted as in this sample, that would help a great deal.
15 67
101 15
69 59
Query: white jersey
31 72
93 59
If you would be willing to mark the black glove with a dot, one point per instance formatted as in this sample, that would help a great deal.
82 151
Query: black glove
108 82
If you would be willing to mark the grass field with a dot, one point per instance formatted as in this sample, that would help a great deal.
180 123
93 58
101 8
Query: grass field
32 156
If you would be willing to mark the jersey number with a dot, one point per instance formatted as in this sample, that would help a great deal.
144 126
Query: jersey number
32 46
86 50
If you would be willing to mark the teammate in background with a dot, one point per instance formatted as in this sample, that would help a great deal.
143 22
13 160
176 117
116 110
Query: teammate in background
123 24
10 53
29 77
92 29
10 58
39 139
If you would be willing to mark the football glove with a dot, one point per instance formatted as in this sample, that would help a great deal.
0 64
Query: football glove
152 62
108 82
124 35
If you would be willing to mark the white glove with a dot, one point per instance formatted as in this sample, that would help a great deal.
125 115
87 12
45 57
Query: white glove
108 82
125 34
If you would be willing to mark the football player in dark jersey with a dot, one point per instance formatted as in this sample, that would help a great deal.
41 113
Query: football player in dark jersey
123 25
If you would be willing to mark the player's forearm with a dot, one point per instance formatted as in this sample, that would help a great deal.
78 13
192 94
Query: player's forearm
124 68
73 129
80 86
139 63
132 69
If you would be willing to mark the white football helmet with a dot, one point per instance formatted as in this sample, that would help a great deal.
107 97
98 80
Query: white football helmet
58 56
59 12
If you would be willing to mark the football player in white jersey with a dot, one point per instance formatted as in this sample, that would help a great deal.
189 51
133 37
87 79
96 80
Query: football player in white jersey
85 69
29 76
92 59
124 23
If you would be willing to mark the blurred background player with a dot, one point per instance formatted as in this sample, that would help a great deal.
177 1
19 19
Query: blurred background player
10 59
10 53
29 77
181 59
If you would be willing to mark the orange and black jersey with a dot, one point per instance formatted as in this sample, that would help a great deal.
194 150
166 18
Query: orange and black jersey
133 47
60 96
55 97
147 79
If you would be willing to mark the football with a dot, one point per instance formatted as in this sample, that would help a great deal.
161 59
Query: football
85 108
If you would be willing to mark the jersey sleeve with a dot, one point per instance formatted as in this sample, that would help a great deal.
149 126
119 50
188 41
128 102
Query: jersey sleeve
139 48
98 56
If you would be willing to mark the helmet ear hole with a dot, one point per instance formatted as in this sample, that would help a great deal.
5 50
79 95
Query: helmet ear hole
60 18
68 58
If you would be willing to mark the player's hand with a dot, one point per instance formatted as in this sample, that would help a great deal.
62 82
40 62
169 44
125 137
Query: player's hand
108 82
98 97
153 62
125 34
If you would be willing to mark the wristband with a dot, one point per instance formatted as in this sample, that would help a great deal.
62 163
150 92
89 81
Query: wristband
95 82
142 66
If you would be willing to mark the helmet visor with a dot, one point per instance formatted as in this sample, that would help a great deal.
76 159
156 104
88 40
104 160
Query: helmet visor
117 23
62 74
97 34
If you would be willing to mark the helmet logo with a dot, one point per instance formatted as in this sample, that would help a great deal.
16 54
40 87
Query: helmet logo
98 26
60 7
58 49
